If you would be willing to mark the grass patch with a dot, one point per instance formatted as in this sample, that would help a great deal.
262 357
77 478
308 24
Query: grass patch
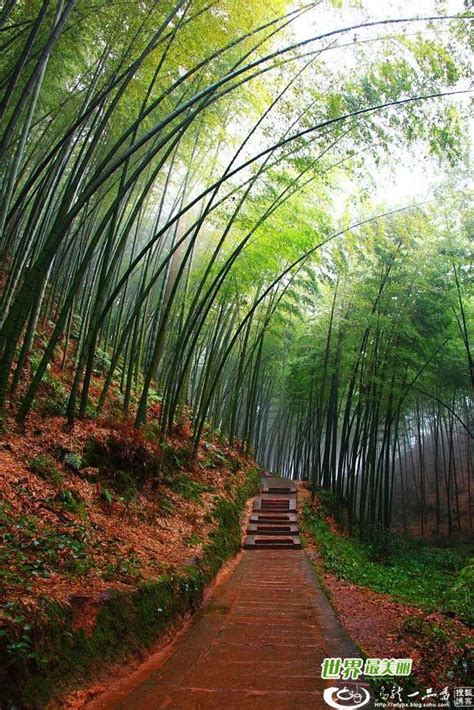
193 540
128 567
166 506
54 393
428 577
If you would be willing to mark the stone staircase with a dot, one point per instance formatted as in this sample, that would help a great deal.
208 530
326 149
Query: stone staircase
273 523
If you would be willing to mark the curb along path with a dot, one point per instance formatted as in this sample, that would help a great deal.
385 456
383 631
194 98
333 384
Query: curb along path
259 641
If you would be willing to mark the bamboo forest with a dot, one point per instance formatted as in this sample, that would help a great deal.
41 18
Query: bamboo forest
236 367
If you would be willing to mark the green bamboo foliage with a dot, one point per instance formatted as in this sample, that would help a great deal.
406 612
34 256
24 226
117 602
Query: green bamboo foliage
377 391
167 184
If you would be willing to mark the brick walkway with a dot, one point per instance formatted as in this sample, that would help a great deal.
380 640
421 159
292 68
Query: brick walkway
257 644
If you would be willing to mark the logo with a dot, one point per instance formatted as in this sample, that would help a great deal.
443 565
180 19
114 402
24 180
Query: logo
346 698
464 697
347 668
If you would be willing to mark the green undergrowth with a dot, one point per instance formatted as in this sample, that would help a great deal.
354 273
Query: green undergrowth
432 578
39 660
53 550
189 489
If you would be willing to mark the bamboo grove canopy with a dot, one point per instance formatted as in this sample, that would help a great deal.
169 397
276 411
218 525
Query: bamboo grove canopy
192 216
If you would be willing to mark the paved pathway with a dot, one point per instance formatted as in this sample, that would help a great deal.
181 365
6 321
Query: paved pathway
257 644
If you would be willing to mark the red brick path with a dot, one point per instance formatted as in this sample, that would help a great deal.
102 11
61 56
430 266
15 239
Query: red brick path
257 644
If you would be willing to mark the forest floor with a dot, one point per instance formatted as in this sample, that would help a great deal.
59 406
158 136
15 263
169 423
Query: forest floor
410 603
73 531
99 509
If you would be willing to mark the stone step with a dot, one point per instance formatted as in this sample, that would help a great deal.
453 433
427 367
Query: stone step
279 491
278 486
278 509
261 542
272 529
273 522
276 505
272 517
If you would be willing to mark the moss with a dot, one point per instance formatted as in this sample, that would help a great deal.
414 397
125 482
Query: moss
54 656
250 487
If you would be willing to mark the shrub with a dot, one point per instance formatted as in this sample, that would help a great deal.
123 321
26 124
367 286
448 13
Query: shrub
102 361
330 504
174 458
125 484
417 626
72 502
124 567
55 396
124 458
383 544
73 461
106 495
35 359
461 595
45 467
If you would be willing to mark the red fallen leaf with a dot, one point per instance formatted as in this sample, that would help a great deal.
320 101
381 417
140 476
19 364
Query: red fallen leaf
158 540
